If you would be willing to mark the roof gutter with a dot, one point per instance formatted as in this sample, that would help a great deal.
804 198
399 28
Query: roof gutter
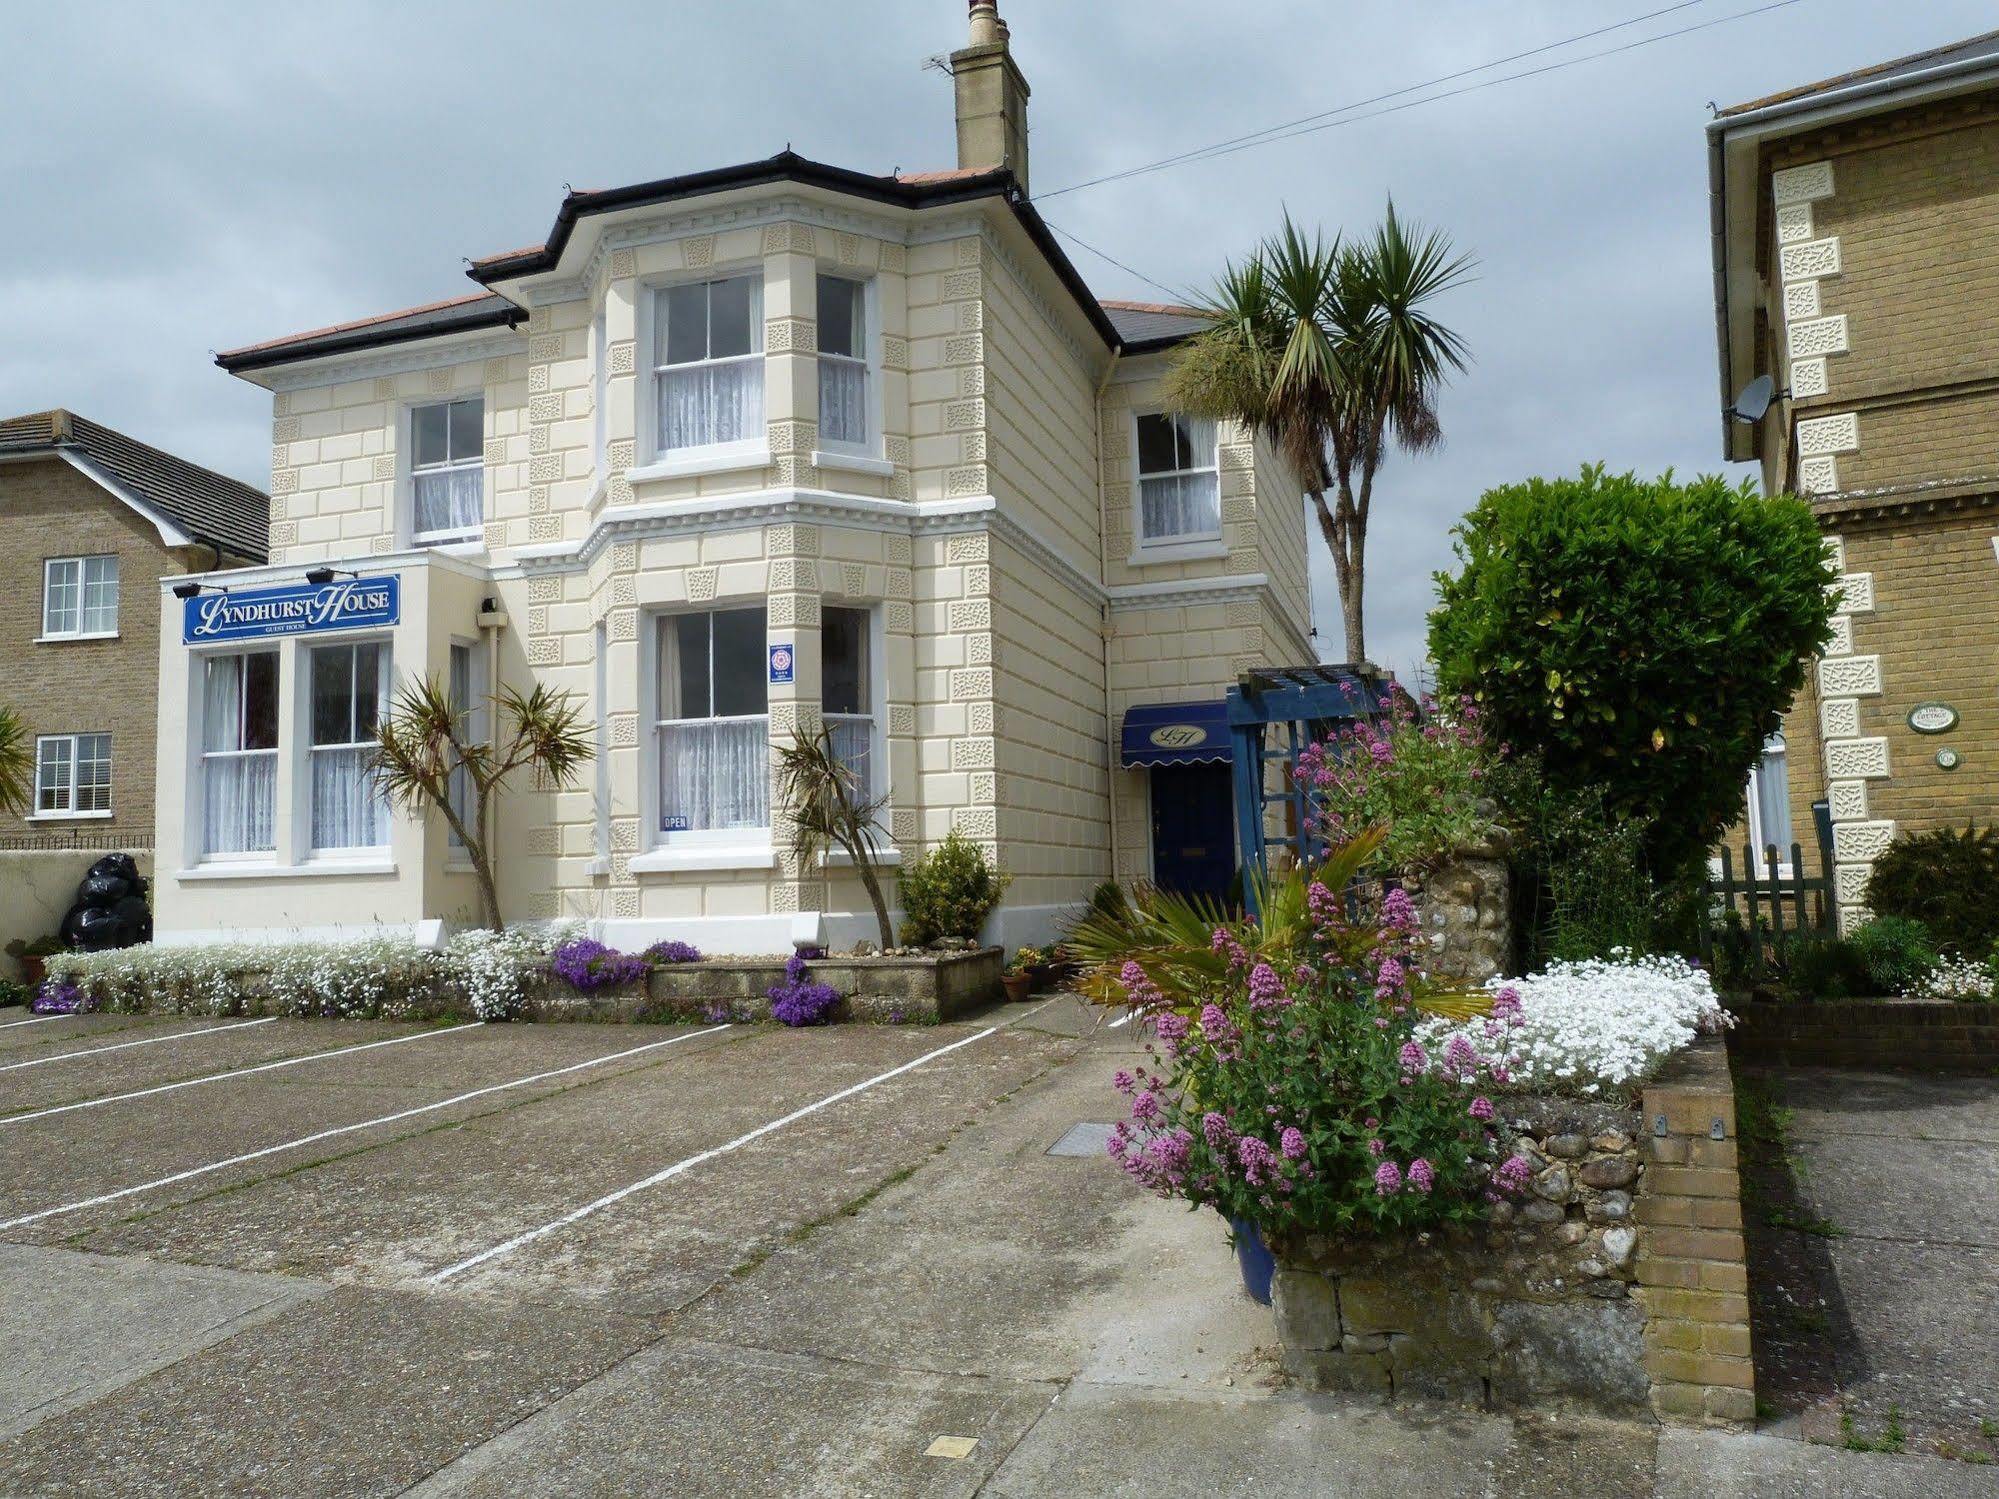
365 338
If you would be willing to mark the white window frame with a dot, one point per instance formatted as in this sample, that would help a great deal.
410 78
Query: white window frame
474 729
463 538
302 749
869 360
199 754
72 761
871 626
1753 810
1186 547
750 451
744 847
81 563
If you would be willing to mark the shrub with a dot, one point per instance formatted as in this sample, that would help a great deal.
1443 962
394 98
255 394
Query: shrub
949 892
1289 1088
1420 779
12 993
1894 953
1582 883
1946 879
1638 635
798 1000
1602 1024
1823 967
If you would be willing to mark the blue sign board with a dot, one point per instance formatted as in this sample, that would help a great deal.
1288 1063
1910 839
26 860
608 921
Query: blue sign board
782 663
298 609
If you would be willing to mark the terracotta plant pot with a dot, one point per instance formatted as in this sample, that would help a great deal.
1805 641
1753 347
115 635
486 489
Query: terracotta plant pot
1017 985
33 971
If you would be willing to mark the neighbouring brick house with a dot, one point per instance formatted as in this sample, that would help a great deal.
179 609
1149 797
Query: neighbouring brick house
1856 251
728 455
90 520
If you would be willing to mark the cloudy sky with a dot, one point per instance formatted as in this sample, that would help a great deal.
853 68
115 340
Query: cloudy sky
178 179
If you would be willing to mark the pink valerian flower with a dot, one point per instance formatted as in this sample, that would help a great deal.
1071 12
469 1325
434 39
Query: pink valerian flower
1398 911
1259 1161
1375 1147
1292 1143
1223 941
1387 1179
1381 751
1513 1174
1116 1146
1124 1082
1266 989
1412 1057
1389 980
1145 1106
1139 990
1422 1175
1323 906
1220 1031
1481 1108
1215 1130
1506 1005
1460 1059
1171 1028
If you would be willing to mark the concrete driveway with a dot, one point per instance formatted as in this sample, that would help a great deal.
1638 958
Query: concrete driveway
308 1258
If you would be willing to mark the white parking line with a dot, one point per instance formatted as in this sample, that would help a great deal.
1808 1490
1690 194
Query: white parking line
37 1020
216 1077
98 1051
577 1215
348 1129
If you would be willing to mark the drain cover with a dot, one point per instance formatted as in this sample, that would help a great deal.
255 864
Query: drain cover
1082 1139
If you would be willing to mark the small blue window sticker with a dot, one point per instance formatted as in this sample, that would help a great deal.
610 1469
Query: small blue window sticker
782 663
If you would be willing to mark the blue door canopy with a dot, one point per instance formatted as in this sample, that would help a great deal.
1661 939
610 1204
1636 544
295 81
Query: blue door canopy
1176 734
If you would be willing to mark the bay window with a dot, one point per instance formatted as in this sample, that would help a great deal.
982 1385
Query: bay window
79 597
708 364
448 470
844 400
239 753
846 693
348 683
712 732
1179 490
72 775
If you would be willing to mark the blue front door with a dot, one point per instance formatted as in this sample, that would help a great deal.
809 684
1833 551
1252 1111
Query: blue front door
1193 829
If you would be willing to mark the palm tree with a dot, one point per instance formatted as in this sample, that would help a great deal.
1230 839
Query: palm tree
424 746
1329 352
17 764
829 808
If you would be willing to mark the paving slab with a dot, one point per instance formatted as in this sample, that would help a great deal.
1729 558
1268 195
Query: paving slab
19 1039
1712 1465
1890 1186
74 1327
355 1393
695 1420
1908 1105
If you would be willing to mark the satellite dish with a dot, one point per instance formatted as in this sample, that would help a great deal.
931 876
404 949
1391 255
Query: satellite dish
1753 401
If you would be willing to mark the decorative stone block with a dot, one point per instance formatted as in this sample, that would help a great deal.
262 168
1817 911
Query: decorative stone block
902 718
545 528
545 468
1801 300
1850 676
978 580
1849 883
969 547
982 717
1839 718
537 379
285 429
965 349
979 650
899 583
383 466
971 614
498 370
1863 759
973 754
960 416
1808 376
624 556
899 617
1794 223
1811 337
624 730
621 357
697 251
624 264
1809 258
1819 476
853 579
1829 434
794 574
1848 800
538 438
791 335
437 382
624 624
1861 842
544 349
1802 184
1856 593
968 684
701 583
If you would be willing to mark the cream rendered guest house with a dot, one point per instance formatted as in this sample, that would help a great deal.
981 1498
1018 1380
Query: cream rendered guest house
726 455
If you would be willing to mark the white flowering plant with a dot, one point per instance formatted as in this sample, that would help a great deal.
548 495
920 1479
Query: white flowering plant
1954 978
1599 1025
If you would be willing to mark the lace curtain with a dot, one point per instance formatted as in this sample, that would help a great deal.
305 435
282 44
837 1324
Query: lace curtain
451 500
853 737
843 399
239 783
348 810
1180 495
704 404
714 773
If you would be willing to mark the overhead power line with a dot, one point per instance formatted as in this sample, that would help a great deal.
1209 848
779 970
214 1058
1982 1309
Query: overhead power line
1344 115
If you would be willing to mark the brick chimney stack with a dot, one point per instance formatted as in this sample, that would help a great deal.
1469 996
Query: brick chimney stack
991 96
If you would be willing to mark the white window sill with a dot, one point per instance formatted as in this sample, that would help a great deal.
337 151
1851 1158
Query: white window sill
1153 554
311 870
702 461
463 544
853 463
76 635
888 857
705 856
66 816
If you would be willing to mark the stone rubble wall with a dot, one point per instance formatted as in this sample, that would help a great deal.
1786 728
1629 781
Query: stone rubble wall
1465 914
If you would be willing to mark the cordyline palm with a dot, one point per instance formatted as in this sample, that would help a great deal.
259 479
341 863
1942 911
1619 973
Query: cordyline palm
1329 352
17 764
426 741
828 809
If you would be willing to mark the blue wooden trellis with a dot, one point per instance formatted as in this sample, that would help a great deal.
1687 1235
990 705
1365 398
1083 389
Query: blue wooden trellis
1273 715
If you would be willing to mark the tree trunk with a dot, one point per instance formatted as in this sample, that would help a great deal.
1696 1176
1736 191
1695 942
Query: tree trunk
482 864
866 867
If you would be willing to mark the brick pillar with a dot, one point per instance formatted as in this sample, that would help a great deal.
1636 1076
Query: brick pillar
1693 1272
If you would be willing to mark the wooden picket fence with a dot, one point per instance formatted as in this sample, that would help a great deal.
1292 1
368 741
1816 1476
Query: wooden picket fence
1777 903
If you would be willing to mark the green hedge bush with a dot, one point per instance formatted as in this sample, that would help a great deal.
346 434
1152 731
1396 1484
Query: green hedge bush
1639 634
1946 879
1894 953
949 892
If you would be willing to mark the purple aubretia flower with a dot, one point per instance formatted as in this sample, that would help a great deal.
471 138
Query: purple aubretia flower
586 964
799 1001
673 952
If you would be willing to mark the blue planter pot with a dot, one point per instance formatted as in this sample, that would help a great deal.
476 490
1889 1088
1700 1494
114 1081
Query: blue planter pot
1254 1259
